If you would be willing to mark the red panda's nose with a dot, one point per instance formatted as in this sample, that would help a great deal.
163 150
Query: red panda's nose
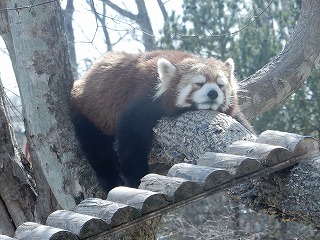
212 94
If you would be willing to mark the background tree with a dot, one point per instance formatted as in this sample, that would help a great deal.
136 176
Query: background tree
141 18
203 28
68 22
102 19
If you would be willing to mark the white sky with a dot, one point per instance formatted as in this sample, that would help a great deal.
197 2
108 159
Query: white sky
85 27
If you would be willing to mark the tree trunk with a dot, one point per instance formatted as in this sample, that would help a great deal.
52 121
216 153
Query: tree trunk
44 78
46 195
289 69
191 135
17 194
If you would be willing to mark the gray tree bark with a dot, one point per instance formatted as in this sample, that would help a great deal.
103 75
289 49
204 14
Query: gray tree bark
191 135
17 193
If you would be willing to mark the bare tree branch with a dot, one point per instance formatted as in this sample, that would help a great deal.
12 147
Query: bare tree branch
121 11
142 19
102 19
289 69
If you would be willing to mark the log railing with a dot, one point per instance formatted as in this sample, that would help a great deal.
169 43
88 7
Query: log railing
126 208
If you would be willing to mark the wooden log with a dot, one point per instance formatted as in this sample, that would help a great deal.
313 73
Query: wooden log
236 165
176 188
113 213
80 224
36 231
4 237
205 176
143 200
191 135
298 144
267 154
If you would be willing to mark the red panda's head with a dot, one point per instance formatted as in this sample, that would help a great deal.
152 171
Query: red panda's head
199 83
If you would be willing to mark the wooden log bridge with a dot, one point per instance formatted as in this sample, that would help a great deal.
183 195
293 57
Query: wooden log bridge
125 208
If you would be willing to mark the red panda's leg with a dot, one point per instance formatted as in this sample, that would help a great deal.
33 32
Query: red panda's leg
98 149
134 137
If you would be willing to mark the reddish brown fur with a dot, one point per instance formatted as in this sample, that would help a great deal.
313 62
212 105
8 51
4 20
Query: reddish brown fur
117 78
114 80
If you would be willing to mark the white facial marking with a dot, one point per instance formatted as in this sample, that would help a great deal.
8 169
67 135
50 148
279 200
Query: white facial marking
214 93
202 97
183 96
199 79
227 100
222 80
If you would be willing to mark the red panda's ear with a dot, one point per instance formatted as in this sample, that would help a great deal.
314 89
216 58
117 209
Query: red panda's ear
230 64
166 70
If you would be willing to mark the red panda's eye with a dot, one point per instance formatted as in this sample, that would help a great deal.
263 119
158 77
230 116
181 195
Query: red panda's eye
199 84
220 85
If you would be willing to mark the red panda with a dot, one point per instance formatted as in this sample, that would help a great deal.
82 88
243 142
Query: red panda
123 95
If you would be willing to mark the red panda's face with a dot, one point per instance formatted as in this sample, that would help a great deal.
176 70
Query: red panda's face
208 84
